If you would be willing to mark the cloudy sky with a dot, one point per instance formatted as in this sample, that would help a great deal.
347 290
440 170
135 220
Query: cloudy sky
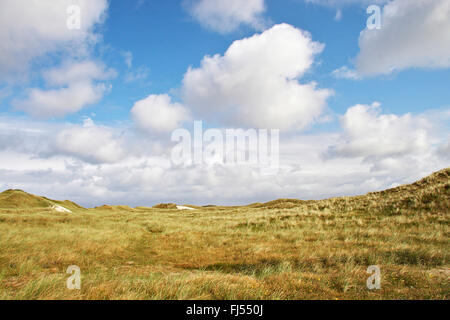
87 113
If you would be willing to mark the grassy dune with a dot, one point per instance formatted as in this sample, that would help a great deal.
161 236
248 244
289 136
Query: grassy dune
284 249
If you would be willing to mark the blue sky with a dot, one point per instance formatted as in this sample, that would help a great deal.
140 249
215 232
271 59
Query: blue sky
100 98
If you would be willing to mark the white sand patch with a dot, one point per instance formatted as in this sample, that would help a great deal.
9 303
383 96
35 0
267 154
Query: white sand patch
60 209
184 208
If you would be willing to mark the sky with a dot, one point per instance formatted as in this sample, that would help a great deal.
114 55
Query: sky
91 92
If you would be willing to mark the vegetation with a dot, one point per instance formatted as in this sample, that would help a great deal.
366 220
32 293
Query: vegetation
284 249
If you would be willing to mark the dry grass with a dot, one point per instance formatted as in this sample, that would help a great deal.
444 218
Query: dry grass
285 249
165 206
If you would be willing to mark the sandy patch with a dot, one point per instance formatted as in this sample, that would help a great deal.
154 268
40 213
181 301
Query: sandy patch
60 209
184 208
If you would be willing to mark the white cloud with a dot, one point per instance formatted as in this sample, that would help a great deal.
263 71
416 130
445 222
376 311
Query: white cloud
80 88
157 113
89 142
345 73
31 29
60 102
414 34
444 150
76 72
227 15
255 83
369 134
39 29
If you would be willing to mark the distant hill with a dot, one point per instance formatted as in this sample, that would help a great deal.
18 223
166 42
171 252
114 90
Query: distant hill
113 208
165 206
18 199
279 204
430 194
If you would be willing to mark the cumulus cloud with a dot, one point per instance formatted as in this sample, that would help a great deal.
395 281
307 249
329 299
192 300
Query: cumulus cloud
60 102
89 142
80 87
227 15
75 72
43 29
255 83
413 34
369 134
33 30
157 113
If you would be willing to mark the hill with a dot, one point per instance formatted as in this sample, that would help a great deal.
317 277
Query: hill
18 199
430 194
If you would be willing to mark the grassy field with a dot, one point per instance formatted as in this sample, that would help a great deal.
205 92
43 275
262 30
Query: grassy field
285 249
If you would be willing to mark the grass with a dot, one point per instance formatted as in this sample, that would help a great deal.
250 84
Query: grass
285 249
